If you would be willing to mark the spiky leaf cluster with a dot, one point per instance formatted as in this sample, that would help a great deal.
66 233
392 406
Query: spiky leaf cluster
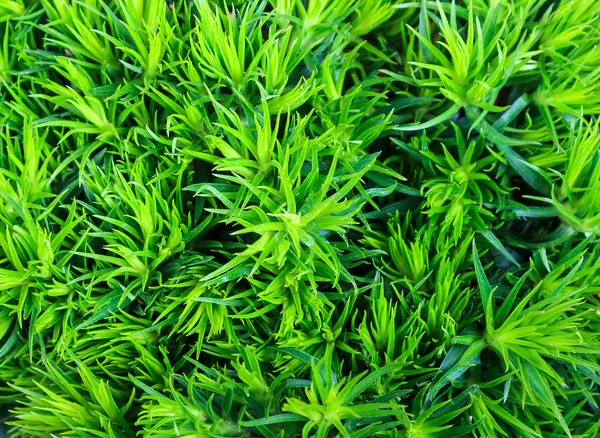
299 218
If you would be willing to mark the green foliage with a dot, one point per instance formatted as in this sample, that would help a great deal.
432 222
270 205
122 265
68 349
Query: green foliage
308 218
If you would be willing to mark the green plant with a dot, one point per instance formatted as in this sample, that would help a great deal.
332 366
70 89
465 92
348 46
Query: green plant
308 218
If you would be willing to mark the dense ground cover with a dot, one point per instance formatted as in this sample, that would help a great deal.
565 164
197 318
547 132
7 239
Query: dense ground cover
298 218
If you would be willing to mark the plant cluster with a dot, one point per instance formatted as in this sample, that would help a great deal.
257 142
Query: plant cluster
300 218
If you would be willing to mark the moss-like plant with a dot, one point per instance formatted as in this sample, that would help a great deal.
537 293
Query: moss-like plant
299 218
